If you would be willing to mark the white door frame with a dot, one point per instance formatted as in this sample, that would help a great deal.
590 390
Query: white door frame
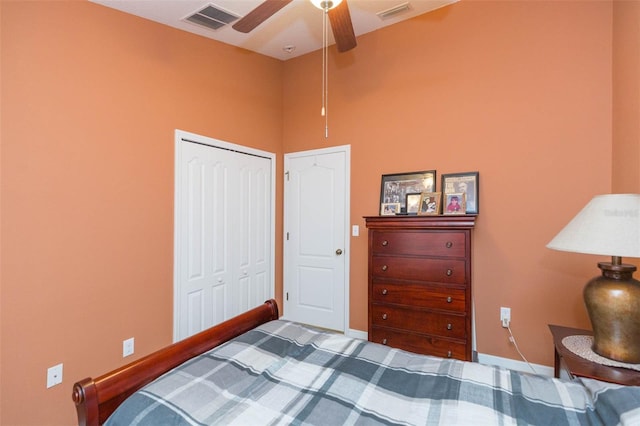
346 149
180 136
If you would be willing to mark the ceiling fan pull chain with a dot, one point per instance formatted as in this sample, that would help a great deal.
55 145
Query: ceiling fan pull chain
325 69
324 59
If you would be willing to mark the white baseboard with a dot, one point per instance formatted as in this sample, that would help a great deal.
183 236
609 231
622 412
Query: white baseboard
509 363
514 364
357 334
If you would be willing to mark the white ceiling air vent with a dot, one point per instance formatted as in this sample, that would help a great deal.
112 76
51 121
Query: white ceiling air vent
212 17
395 10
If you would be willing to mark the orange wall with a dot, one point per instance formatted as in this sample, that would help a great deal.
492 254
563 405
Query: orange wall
626 96
91 98
520 91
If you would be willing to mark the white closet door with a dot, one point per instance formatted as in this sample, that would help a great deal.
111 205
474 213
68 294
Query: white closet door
224 233
252 227
205 247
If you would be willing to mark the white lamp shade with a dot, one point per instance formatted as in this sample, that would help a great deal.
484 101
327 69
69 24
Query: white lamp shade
608 225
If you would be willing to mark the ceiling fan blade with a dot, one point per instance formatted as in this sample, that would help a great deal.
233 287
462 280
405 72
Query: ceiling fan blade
342 27
260 14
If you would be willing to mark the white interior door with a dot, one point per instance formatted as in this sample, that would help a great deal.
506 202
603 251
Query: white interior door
224 231
316 241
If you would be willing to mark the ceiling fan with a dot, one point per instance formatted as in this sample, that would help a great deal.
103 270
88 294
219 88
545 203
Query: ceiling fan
337 10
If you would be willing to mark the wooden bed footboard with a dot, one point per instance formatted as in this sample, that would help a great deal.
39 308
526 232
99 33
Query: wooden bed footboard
97 398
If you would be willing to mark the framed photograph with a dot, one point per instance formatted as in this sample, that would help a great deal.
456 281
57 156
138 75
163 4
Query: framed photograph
454 203
467 183
389 209
413 202
395 187
430 203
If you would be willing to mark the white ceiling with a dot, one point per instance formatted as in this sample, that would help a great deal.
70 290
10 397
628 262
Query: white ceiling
299 24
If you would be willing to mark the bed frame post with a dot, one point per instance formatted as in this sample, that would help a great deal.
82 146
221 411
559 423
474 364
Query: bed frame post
96 399
84 391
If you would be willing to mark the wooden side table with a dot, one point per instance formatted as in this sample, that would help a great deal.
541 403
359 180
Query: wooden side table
576 366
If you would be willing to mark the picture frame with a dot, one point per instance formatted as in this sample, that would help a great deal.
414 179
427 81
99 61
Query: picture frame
430 203
395 187
389 209
454 203
467 182
413 202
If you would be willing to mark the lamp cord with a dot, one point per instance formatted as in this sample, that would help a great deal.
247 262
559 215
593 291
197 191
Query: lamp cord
512 339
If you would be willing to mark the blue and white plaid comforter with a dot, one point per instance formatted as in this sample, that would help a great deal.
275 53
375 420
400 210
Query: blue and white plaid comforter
285 373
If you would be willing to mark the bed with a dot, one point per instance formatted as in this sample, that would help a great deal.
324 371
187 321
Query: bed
257 369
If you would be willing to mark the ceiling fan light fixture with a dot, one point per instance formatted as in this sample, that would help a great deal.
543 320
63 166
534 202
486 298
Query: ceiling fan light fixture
325 4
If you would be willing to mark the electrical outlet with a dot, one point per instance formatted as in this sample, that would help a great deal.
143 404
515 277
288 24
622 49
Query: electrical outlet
127 347
54 375
505 316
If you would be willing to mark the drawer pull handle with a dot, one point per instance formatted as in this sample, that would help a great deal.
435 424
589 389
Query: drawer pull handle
384 267
449 326
449 354
384 341
385 243
384 291
449 272
384 316
449 299
449 244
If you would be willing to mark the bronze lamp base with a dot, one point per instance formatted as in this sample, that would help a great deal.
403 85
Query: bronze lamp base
613 304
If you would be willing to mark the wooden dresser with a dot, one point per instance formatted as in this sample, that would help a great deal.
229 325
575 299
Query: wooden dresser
420 283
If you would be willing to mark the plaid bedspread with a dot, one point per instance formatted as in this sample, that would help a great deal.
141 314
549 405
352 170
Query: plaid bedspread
285 373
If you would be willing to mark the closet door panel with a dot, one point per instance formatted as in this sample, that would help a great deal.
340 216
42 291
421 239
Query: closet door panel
252 230
204 271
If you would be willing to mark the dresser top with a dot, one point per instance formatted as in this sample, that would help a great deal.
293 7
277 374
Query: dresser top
462 221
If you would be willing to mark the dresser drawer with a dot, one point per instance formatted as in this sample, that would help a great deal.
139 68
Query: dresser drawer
450 271
421 243
419 343
419 321
423 295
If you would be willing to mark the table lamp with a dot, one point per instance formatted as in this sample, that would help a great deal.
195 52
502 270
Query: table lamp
609 225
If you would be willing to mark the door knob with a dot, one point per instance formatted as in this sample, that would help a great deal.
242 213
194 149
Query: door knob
339 252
